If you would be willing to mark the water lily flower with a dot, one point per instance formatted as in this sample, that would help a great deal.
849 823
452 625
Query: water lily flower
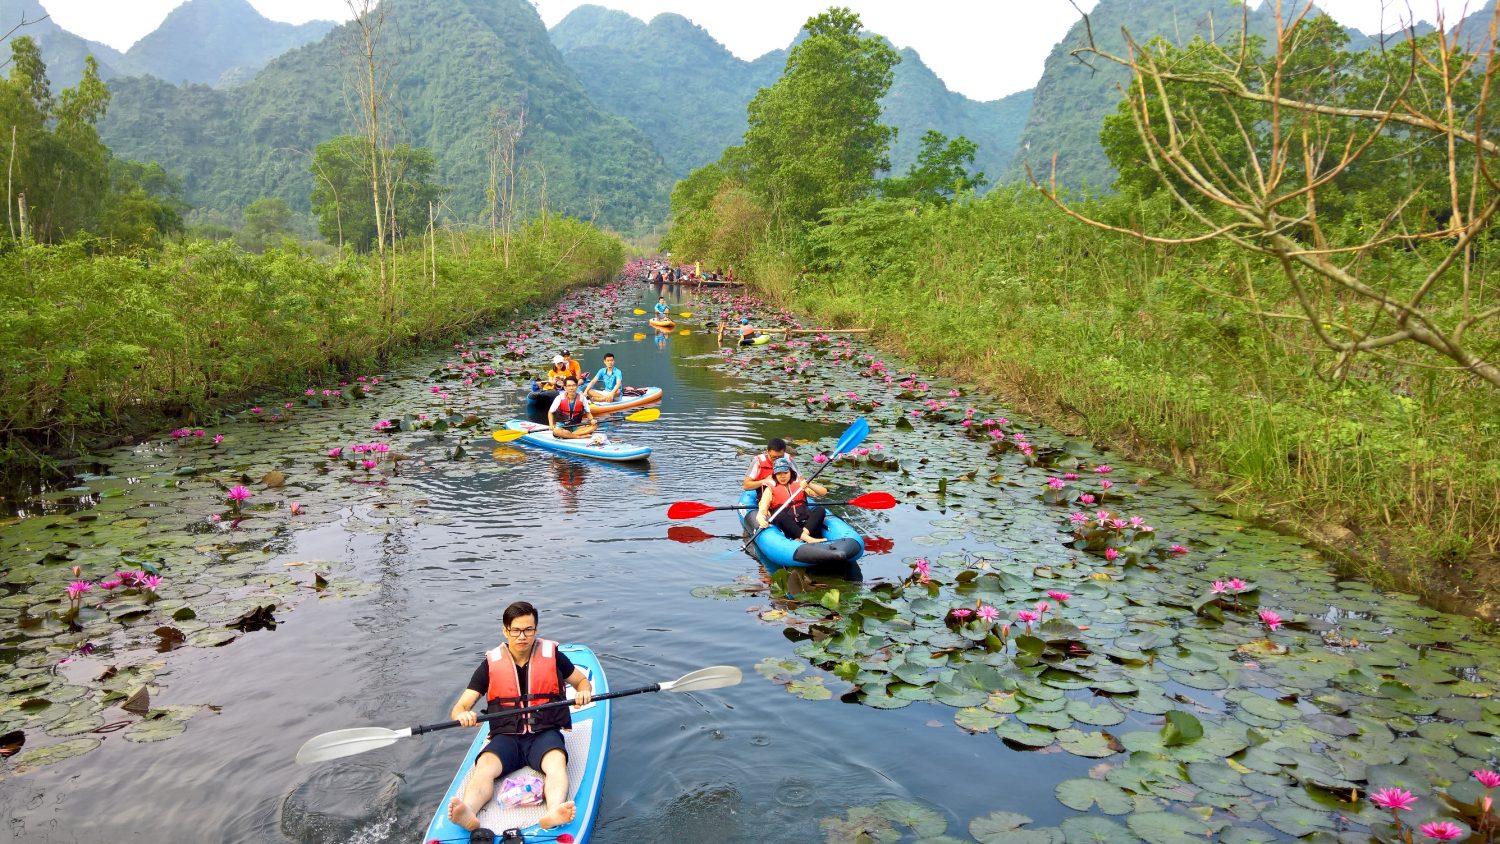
77 588
198 432
1136 522
1058 596
1103 469
820 458
335 451
1178 549
1055 483
215 518
988 614
1442 830
368 464
1111 554
1078 518
1086 499
238 494
1003 421
1218 587
1488 779
1395 799
218 438
111 583
295 508
256 410
1270 619
961 612
1042 607
149 582
311 392
381 448
1070 476
287 406
1117 524
1102 517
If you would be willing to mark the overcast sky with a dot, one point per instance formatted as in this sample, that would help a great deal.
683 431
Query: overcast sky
983 49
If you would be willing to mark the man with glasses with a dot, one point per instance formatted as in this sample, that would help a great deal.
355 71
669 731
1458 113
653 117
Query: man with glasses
525 671
759 474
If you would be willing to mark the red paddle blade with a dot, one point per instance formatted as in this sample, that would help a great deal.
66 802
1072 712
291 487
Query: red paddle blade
687 510
879 544
687 534
874 501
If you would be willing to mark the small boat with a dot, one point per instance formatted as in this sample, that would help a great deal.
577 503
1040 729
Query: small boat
843 547
541 437
588 745
663 324
542 399
652 394
757 340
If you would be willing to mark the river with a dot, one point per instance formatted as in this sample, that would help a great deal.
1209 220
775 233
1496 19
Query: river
422 565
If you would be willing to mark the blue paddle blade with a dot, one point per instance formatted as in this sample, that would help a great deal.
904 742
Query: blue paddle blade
852 437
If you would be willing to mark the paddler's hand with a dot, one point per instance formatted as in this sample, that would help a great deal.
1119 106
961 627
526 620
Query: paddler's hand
468 718
583 694
760 519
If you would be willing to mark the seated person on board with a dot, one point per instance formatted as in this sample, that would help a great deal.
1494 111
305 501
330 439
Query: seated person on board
747 332
570 417
798 519
661 310
609 380
759 474
554 378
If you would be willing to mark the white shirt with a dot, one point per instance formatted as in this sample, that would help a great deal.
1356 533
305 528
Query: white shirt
557 403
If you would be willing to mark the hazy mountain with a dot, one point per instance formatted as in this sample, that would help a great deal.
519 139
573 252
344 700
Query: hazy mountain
63 51
452 61
688 92
201 40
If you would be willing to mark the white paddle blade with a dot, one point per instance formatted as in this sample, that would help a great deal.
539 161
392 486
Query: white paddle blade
340 743
712 677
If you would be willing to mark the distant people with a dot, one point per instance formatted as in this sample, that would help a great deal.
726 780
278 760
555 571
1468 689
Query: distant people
574 368
570 416
759 474
609 383
748 333
554 378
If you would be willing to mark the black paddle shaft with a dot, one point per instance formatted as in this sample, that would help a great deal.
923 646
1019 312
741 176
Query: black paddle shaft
427 728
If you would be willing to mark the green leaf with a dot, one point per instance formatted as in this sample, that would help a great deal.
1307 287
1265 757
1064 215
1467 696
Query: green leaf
1005 828
1082 793
1180 728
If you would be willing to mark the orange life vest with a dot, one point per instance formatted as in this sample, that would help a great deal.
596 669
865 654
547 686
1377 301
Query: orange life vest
761 467
571 414
780 494
543 686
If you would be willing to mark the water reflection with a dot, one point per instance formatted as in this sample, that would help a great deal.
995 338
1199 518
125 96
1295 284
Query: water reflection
570 474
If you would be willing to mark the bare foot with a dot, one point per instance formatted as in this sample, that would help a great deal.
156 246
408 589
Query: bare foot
460 813
807 537
559 816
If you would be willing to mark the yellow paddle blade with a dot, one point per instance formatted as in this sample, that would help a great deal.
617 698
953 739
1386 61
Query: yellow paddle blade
685 332
650 414
507 454
506 435
638 336
686 314
639 312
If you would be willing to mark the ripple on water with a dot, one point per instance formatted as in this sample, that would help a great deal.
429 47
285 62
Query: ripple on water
339 802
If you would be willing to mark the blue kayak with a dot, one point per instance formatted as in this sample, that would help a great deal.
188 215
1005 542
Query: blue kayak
541 436
844 545
588 744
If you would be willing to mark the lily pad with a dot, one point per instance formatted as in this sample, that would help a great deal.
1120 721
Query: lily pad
53 753
1172 828
1005 828
1092 829
1082 793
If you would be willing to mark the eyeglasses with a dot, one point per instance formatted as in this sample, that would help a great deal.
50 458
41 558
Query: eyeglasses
521 631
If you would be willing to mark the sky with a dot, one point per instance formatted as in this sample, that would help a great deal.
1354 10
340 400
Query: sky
983 49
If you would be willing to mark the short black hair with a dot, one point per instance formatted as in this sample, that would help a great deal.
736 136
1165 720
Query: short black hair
565 353
519 609
608 355
571 379
776 444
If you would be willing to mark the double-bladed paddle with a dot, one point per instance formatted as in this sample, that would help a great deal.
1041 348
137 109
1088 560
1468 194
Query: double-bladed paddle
852 436
340 743
868 501
505 435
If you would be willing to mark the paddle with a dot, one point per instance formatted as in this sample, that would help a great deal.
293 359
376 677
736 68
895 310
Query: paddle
687 534
869 501
340 743
852 436
505 435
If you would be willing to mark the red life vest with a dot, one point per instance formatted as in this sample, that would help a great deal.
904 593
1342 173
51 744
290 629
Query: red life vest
780 494
761 467
570 415
543 686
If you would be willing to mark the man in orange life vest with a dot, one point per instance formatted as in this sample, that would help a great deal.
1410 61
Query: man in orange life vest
570 416
759 474
525 671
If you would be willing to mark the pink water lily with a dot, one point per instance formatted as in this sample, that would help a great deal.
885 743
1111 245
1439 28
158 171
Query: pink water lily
256 410
1178 549
1111 554
368 464
988 614
218 438
1078 518
1442 830
1106 485
1055 483
111 583
1270 619
1236 584
1086 499
1070 476
1103 469
1488 779
1218 587
1395 799
238 495
1027 616
295 508
149 582
1059 596
961 612
77 588
335 451
820 458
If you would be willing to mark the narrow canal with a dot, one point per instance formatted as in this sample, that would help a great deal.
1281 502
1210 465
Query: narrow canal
420 555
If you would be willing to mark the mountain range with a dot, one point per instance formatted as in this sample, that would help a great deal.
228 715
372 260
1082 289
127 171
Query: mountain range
616 107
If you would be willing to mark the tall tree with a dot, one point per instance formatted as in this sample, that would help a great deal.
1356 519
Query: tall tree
941 171
340 198
815 139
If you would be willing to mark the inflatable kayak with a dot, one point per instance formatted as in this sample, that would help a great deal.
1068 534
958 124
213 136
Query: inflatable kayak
844 545
541 437
652 394
663 324
757 340
588 745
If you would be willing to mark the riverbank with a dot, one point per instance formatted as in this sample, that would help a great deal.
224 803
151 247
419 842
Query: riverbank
106 348
1394 471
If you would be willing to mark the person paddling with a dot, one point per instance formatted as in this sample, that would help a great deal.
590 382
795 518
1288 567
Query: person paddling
747 332
610 382
661 309
759 474
799 519
525 671
570 416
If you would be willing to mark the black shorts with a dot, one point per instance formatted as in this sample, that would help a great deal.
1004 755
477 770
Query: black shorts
516 752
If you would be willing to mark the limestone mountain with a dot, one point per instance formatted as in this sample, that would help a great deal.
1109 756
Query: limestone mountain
451 62
202 40
63 51
688 92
